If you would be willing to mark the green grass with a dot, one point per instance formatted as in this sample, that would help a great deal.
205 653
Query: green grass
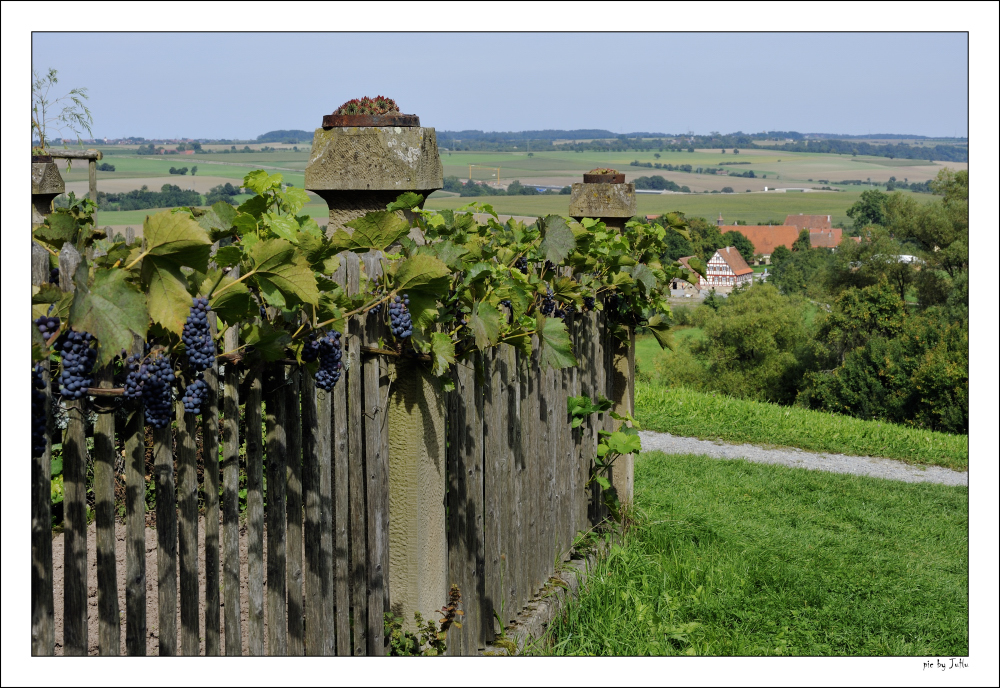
683 412
731 558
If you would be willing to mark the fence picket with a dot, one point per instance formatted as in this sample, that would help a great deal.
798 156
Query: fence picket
274 403
339 482
293 575
109 622
166 541
42 598
376 454
187 532
231 501
210 459
254 516
135 524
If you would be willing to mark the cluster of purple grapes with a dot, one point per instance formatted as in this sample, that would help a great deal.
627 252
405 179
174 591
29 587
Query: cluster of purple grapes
399 317
38 435
310 350
54 276
156 376
552 307
195 395
197 336
133 381
521 265
330 353
588 303
78 358
47 325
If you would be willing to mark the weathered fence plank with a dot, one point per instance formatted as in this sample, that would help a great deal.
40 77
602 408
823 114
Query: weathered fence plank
274 403
356 467
293 575
210 459
341 580
495 431
166 541
376 463
74 499
109 622
135 524
187 533
42 598
255 516
315 446
231 502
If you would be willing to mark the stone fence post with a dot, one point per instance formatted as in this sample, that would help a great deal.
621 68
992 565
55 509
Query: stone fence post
358 169
46 184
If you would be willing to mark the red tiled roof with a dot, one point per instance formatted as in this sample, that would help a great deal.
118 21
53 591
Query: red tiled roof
765 238
734 260
808 221
825 238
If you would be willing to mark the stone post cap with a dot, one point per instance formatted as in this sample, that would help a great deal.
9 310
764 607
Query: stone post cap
45 178
602 200
374 159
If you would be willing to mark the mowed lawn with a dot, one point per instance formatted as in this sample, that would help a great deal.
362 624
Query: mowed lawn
731 558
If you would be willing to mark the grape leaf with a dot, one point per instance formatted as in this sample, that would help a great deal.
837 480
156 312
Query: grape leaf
255 207
231 303
294 198
423 310
442 353
57 230
644 276
698 265
558 239
245 225
485 324
283 226
422 273
228 256
660 328
555 347
279 266
178 238
406 201
47 293
260 181
375 231
110 309
218 220
269 342
167 293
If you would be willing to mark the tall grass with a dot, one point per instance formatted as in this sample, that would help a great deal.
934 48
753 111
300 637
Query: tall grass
732 558
680 411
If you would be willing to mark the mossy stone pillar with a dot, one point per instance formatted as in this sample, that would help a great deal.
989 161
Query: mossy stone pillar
623 396
614 204
360 169
418 543
46 184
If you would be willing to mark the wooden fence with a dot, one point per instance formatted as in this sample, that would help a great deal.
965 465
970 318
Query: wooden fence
516 496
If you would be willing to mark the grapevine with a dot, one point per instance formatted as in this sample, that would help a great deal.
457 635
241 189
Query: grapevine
157 376
38 415
197 336
399 317
330 353
195 395
78 358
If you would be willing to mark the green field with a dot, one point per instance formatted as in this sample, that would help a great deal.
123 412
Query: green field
731 558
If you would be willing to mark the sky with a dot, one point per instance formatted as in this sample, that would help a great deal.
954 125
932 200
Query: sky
240 85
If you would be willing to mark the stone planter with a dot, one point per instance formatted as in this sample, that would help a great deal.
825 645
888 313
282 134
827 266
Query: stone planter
611 202
358 165
46 184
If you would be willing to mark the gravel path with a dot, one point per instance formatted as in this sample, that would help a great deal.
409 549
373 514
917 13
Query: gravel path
835 463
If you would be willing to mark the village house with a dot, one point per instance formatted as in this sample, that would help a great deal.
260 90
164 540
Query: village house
809 222
726 269
765 238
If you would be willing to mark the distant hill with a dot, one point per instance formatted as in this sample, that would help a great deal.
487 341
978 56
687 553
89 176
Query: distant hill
286 136
536 135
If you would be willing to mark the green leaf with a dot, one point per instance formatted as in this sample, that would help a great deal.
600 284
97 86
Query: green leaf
255 207
485 324
423 310
56 465
555 347
228 256
558 239
167 293
232 304
294 199
269 342
602 481
376 231
218 220
442 353
57 230
422 273
260 181
112 310
283 226
245 225
698 265
660 328
47 293
406 201
178 238
278 266
644 276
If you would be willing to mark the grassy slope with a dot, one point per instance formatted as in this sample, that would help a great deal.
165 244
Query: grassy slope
732 558
683 412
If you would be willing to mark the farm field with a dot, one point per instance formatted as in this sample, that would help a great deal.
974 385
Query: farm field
731 558
752 208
